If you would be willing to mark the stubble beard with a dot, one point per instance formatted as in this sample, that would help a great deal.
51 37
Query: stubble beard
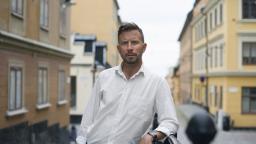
132 59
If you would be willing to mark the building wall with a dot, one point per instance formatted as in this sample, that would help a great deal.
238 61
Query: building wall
101 19
4 16
21 43
186 66
173 79
231 75
84 87
176 90
30 61
82 65
174 84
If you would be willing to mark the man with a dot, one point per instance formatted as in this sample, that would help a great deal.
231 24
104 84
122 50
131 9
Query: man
125 98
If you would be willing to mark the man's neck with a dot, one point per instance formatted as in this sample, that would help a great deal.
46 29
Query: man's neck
130 69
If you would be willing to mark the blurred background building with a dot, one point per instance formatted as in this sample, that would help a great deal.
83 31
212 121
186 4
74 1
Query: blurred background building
221 35
34 71
42 88
185 60
94 26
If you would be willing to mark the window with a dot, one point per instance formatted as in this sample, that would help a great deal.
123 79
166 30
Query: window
201 29
215 56
249 99
215 17
42 86
73 91
221 13
211 57
100 55
221 55
204 28
249 9
221 97
15 95
216 95
88 46
211 24
44 13
249 52
61 86
17 7
63 18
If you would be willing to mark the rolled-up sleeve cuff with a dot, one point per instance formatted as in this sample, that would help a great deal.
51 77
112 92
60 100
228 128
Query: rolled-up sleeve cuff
164 130
167 131
81 140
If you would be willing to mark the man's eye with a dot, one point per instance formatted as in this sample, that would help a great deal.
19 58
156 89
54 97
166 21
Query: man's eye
135 42
124 43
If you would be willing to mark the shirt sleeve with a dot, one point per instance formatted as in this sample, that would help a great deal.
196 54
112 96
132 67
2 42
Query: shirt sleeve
89 113
165 108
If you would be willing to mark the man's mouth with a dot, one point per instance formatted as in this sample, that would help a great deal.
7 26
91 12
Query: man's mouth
131 55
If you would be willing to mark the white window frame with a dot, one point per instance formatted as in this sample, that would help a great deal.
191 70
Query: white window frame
240 13
221 9
244 38
247 9
61 87
247 98
215 17
63 19
211 53
18 108
250 53
44 14
216 56
17 7
221 59
43 88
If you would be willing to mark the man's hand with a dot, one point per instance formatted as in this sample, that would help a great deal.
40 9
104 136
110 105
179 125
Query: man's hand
146 139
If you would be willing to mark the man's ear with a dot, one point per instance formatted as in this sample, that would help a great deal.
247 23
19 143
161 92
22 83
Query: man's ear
144 47
118 47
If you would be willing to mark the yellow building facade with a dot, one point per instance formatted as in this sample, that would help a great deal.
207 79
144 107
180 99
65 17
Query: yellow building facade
224 59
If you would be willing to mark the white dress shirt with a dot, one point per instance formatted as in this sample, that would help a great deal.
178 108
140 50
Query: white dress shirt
121 111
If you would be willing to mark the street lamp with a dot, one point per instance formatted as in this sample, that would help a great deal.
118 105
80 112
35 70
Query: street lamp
204 13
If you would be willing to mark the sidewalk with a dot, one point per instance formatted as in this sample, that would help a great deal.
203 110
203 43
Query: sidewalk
184 113
188 110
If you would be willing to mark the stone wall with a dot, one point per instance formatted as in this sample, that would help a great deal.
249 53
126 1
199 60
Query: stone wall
38 133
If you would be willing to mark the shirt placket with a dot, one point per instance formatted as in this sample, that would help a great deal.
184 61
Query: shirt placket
119 111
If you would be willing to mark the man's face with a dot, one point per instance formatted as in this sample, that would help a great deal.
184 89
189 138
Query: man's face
131 46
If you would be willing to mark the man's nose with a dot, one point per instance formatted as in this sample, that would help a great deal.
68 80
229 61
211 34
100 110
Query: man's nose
129 45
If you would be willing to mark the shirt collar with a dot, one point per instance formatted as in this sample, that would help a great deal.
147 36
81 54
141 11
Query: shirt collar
119 71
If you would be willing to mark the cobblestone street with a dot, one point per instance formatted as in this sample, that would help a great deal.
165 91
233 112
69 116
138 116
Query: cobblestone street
185 112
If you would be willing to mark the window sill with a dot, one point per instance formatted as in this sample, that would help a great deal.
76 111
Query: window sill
43 106
18 16
248 113
63 36
16 112
44 28
88 53
247 20
63 102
